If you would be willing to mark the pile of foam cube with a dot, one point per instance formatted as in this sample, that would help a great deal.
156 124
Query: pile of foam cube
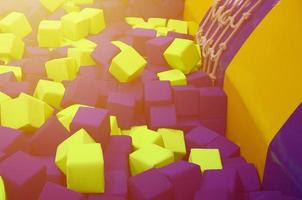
107 100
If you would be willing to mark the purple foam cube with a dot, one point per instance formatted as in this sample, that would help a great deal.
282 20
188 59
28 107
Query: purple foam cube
218 125
188 124
128 40
185 178
199 79
116 161
53 191
135 89
156 48
81 91
162 116
214 194
186 101
265 195
90 72
104 53
95 121
200 137
141 36
120 144
229 162
213 103
11 140
23 175
122 106
222 180
248 175
47 138
53 172
157 93
284 158
116 182
150 184
105 197
226 147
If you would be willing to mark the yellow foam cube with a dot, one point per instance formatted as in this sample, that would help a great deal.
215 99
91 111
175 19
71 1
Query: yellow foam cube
127 65
17 71
158 22
114 127
16 23
50 92
24 112
4 97
82 43
82 56
142 136
52 5
134 20
150 156
182 54
174 141
175 76
62 69
163 31
82 2
66 115
69 7
50 33
144 25
80 137
75 26
207 159
85 168
11 46
178 26
2 190
96 18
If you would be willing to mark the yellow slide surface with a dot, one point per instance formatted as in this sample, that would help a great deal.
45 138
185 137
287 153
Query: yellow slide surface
264 81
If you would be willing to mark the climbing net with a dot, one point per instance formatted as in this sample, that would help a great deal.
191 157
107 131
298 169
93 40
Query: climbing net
219 27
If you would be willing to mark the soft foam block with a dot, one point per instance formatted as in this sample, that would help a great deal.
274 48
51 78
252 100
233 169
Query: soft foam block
80 137
16 70
11 47
142 136
182 54
52 5
50 92
207 159
96 19
66 115
93 120
85 168
25 112
54 191
174 141
175 76
45 140
127 65
2 190
16 23
62 69
150 156
50 34
185 178
75 25
24 176
150 185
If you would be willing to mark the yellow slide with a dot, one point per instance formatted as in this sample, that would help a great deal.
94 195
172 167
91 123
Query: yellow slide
264 81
